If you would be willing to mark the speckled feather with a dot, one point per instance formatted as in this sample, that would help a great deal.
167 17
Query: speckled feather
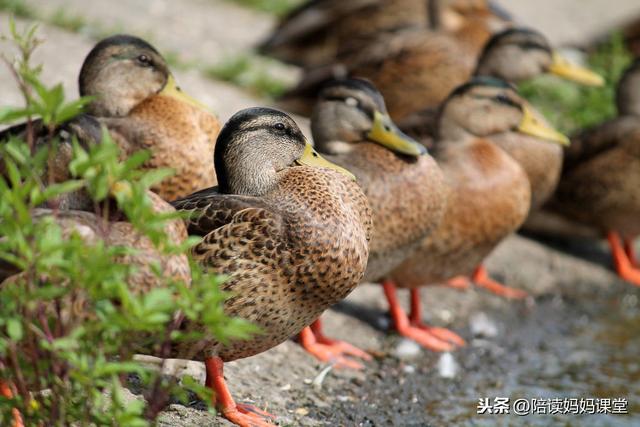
119 232
289 255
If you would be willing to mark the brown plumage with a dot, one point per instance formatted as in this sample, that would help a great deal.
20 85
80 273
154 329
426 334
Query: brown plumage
139 102
489 192
117 231
541 161
416 70
293 239
403 184
314 33
288 228
489 198
601 177
320 31
137 99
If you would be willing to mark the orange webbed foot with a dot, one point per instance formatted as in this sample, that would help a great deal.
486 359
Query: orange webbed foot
245 418
622 259
415 320
331 353
403 326
240 414
343 347
424 337
481 279
248 415
442 334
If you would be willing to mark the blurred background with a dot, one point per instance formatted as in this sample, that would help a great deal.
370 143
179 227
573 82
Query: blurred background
211 43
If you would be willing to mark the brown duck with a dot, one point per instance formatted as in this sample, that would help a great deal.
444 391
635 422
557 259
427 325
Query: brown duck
319 31
137 99
288 228
489 192
600 185
416 70
403 184
75 214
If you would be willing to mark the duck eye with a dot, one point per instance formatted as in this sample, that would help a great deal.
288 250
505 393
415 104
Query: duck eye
279 126
351 102
144 60
503 99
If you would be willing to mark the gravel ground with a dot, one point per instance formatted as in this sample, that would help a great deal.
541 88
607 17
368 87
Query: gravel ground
542 347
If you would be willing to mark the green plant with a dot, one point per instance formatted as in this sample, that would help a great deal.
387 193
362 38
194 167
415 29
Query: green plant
571 107
276 7
63 19
250 72
17 7
70 322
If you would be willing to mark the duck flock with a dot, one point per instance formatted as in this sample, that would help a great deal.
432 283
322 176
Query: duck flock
424 157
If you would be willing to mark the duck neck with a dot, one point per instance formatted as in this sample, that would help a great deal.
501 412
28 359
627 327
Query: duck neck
256 175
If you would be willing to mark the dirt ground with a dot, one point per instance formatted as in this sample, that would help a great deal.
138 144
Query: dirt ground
577 336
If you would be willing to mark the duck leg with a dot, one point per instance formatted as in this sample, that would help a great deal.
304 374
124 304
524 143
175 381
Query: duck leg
5 391
415 319
341 347
240 414
404 327
481 278
629 249
623 263
313 340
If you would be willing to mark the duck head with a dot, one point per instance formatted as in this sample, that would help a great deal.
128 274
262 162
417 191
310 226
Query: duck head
518 54
256 145
487 106
352 111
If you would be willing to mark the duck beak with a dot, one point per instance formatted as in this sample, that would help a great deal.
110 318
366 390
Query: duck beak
310 157
531 125
387 134
172 90
561 67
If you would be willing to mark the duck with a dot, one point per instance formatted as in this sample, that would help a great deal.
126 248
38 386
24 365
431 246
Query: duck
601 177
76 214
541 161
319 31
288 229
437 63
489 193
135 96
404 185
312 34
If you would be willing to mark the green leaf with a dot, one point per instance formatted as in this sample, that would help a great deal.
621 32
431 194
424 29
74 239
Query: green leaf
14 329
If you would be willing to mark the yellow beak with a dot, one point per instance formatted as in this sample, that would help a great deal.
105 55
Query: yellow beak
561 67
172 90
387 134
310 157
531 125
